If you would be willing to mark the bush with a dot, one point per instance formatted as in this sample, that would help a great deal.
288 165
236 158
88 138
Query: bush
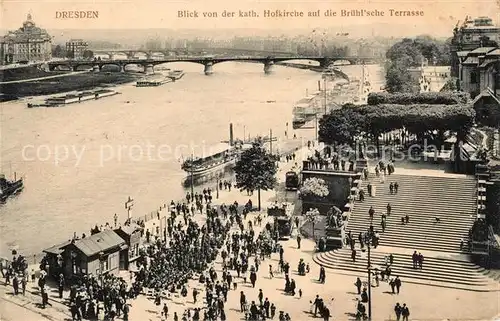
441 98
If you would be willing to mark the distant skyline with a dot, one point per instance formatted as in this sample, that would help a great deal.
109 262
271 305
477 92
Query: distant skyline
137 17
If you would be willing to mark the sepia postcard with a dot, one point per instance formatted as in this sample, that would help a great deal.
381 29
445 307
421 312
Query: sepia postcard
249 160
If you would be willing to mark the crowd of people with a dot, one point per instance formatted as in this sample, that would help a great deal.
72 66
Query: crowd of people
186 252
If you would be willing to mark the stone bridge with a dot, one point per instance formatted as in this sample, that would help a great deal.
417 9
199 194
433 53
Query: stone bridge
196 52
207 62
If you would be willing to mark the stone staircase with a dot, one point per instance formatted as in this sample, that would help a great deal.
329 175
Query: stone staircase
422 198
442 272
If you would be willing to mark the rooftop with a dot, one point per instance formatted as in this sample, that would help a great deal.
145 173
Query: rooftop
482 50
495 52
58 248
204 152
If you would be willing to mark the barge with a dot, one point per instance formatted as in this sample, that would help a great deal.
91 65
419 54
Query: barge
176 74
78 97
217 158
153 81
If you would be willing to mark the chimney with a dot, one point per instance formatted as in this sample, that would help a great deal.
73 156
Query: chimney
231 134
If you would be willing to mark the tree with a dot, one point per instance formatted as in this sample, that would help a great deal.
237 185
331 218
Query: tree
88 54
313 216
314 186
256 170
340 126
399 79
58 52
409 53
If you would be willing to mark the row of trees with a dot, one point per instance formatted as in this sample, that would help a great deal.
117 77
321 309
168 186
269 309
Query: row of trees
442 98
409 53
343 126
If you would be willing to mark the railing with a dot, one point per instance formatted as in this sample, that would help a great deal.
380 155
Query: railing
307 165
481 247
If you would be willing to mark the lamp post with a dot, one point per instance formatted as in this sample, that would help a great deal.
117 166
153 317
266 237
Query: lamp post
324 88
217 185
191 174
368 239
316 130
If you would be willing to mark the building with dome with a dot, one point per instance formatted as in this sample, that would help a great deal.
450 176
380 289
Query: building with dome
472 34
28 43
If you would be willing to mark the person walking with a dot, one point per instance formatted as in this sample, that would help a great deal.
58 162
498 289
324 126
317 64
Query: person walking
397 283
371 212
298 241
369 187
353 255
405 312
61 285
358 285
397 311
393 285
414 259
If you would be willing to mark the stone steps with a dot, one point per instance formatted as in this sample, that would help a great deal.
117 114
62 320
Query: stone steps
450 273
422 198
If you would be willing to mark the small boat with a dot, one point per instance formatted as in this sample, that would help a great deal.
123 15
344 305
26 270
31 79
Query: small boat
9 188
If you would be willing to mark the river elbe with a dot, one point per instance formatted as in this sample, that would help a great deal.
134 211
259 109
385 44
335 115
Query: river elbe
82 161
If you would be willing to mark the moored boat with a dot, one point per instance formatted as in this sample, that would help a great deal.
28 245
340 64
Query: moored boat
217 157
153 81
78 97
176 74
8 188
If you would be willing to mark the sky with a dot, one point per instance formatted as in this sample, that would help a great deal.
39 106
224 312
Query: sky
439 17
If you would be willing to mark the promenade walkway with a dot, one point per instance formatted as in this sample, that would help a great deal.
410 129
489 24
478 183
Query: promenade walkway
426 303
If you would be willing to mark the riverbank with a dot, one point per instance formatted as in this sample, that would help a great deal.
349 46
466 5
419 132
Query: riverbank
31 81
112 140
283 147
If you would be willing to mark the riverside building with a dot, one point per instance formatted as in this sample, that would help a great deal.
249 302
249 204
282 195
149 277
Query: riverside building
28 43
472 34
76 48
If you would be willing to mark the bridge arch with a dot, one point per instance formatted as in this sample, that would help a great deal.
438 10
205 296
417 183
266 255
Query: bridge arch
83 66
110 65
342 62
197 62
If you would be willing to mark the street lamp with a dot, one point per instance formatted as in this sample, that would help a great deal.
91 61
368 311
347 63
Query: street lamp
324 87
191 174
217 185
368 239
